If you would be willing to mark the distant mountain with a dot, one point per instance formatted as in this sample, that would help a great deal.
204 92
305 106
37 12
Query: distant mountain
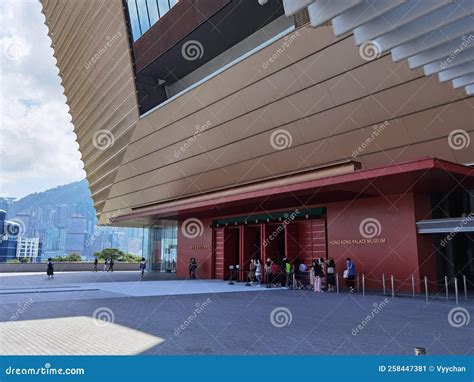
76 193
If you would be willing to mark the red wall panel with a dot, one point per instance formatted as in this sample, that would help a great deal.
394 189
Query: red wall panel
219 252
292 246
199 247
393 218
312 240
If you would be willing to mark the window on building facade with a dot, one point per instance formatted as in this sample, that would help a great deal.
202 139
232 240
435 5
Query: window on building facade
163 241
144 13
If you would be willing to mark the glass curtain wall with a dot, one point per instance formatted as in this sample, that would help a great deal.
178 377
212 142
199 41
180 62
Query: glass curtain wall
162 244
145 13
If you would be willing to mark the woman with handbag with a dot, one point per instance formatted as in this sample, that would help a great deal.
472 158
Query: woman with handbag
331 270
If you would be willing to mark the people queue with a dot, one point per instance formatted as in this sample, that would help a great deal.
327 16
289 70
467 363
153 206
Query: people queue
285 274
320 276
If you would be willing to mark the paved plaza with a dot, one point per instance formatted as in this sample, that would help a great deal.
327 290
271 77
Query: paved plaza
86 313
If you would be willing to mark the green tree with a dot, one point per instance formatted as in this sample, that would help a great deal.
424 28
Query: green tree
72 257
117 255
130 258
13 261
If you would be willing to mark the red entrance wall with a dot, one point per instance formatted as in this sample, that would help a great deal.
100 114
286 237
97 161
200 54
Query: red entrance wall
311 240
402 253
393 218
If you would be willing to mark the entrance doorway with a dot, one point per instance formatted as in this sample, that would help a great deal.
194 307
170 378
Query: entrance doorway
275 242
251 245
231 249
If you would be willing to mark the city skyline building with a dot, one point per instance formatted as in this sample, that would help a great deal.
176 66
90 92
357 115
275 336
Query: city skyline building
29 248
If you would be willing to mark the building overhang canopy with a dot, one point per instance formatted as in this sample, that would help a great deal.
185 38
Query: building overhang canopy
437 36
423 176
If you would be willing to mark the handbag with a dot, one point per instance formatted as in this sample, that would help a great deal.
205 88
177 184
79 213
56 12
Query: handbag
345 274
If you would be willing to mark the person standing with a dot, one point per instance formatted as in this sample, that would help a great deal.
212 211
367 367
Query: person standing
192 268
50 269
282 275
312 273
96 262
350 272
252 268
106 263
330 274
143 267
268 272
322 264
258 272
111 265
318 275
288 274
303 274
275 274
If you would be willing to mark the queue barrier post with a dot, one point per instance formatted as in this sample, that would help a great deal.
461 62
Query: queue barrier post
392 284
383 284
446 287
456 290
337 283
426 288
413 285
465 286
363 285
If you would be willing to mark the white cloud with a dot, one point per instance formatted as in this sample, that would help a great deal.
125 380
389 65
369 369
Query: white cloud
37 143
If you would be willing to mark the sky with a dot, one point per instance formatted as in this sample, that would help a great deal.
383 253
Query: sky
38 148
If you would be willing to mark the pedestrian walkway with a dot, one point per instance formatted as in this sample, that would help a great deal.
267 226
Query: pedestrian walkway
67 285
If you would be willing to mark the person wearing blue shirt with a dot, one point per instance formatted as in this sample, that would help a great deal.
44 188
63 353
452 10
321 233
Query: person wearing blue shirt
350 273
